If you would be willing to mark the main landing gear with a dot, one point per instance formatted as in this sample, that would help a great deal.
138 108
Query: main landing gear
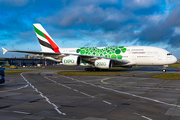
95 69
92 69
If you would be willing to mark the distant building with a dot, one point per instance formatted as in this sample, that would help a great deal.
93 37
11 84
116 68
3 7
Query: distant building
4 63
25 62
33 57
178 61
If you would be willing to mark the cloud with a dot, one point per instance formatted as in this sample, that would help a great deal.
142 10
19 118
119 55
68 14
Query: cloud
163 31
77 16
174 42
102 43
88 17
139 4
173 19
176 31
90 22
14 3
25 37
150 22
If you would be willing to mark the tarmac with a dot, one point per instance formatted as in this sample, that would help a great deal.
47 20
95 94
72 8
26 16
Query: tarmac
45 95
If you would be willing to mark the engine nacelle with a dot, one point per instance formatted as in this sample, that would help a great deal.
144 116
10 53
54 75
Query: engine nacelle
103 64
71 60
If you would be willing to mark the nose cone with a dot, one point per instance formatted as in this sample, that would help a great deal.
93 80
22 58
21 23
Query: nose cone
174 59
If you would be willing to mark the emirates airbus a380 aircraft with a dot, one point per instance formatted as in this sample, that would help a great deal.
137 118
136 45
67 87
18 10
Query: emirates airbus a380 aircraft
96 58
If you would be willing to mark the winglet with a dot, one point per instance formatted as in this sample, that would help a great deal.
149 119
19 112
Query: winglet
4 50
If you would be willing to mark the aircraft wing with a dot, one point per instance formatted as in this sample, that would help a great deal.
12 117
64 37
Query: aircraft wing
31 52
91 59
85 58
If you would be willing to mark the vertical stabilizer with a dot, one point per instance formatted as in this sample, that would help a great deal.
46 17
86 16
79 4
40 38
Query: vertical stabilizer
46 42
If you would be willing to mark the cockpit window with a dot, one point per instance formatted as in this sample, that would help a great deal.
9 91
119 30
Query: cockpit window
169 54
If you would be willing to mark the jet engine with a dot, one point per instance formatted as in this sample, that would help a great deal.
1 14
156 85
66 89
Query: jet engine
103 64
71 60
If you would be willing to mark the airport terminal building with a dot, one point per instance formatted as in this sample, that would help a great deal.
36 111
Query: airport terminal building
29 60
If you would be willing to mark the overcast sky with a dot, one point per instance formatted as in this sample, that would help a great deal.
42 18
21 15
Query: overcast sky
88 23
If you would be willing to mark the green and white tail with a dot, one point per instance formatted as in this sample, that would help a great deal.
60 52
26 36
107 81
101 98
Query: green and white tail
46 42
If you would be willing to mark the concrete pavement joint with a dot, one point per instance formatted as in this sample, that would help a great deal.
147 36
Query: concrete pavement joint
41 94
153 88
146 98
70 88
80 91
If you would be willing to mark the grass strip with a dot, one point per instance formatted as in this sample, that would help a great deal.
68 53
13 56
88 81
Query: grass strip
176 65
174 76
89 73
15 72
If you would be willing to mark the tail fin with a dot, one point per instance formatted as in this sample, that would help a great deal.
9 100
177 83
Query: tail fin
46 42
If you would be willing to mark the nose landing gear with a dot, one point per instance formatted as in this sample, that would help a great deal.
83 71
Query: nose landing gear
164 68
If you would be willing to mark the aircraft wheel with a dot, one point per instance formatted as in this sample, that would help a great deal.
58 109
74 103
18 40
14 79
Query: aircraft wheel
164 70
88 69
96 69
91 69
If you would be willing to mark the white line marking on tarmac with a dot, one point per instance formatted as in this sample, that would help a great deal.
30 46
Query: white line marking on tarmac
76 90
71 88
86 94
22 112
41 94
136 114
16 88
107 102
80 91
65 86
146 117
143 116
146 98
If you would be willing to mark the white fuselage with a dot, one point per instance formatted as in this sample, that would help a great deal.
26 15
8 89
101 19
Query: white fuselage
140 55
143 55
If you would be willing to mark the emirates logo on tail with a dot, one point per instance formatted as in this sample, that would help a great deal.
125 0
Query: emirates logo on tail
45 40
54 46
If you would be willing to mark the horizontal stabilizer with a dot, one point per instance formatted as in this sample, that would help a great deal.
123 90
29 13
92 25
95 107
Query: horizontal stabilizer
4 50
